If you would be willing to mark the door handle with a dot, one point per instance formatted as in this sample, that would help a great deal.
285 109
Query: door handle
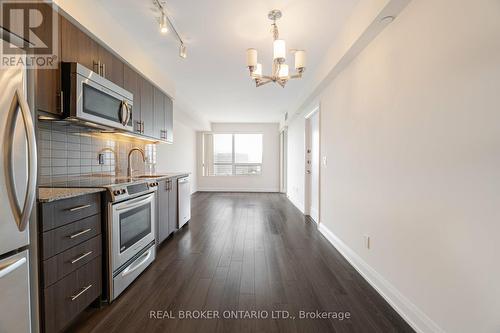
12 267
21 215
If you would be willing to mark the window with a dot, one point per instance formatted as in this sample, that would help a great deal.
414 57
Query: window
232 154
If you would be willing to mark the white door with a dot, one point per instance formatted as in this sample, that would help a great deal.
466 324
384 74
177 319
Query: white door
312 165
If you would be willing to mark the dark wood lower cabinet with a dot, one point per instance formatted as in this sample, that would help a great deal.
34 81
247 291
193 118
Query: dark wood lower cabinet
167 208
173 205
70 259
64 300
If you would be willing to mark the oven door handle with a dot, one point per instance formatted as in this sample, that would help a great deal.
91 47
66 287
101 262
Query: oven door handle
137 263
133 204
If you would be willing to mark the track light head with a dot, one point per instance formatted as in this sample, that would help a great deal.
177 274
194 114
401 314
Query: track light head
163 23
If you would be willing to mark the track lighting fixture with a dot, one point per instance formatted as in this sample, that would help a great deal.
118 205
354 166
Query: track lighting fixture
163 23
166 25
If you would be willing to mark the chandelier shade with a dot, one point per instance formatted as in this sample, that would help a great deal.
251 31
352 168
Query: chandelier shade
279 49
280 70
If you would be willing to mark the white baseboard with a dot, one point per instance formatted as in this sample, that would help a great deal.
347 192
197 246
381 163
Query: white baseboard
418 320
296 203
244 189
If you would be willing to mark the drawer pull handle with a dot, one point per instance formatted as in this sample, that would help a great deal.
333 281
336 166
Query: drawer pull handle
80 233
77 208
81 257
81 292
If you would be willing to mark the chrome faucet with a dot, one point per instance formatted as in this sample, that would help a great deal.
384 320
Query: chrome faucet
129 166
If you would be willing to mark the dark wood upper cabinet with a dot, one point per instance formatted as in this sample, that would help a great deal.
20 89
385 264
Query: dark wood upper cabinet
132 83
112 67
159 114
76 46
152 111
47 82
169 119
147 115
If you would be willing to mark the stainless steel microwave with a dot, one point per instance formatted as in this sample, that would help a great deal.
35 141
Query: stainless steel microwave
88 97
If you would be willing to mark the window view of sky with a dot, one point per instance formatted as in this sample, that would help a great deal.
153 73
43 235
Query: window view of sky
247 149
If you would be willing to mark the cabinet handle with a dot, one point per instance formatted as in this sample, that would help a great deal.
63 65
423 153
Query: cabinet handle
142 127
61 96
81 292
77 208
81 257
103 68
97 64
79 233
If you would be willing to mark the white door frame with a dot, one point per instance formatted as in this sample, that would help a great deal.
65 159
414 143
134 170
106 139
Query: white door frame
283 159
307 187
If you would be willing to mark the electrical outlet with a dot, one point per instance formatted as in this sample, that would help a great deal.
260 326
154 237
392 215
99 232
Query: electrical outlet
367 242
324 161
101 159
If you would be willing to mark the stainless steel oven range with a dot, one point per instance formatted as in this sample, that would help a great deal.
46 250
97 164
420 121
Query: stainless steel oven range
131 233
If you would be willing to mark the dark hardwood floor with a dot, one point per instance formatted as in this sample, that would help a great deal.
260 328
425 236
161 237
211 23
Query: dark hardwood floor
251 252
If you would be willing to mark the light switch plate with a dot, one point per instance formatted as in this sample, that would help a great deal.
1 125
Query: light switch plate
325 162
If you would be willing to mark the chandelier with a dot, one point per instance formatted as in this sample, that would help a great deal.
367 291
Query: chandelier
280 73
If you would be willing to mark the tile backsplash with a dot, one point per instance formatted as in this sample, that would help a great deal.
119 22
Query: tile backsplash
67 152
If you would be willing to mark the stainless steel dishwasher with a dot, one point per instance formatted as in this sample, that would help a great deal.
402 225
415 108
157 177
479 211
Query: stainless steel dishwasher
184 195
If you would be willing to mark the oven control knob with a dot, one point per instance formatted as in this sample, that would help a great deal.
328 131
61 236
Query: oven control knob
116 192
123 191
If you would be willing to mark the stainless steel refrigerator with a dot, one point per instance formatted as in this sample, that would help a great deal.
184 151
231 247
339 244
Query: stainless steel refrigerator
18 172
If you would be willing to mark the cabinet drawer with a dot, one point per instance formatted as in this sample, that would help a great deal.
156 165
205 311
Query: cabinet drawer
64 263
71 295
59 213
60 239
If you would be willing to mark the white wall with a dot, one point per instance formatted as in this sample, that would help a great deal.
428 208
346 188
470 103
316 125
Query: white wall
181 155
268 181
411 130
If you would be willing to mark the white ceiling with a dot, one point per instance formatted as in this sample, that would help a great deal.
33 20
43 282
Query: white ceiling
213 81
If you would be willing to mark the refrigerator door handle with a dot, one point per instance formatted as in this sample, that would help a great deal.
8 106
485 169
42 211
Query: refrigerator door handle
12 267
22 216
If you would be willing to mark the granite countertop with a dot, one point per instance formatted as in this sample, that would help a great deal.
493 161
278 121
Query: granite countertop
166 175
46 194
